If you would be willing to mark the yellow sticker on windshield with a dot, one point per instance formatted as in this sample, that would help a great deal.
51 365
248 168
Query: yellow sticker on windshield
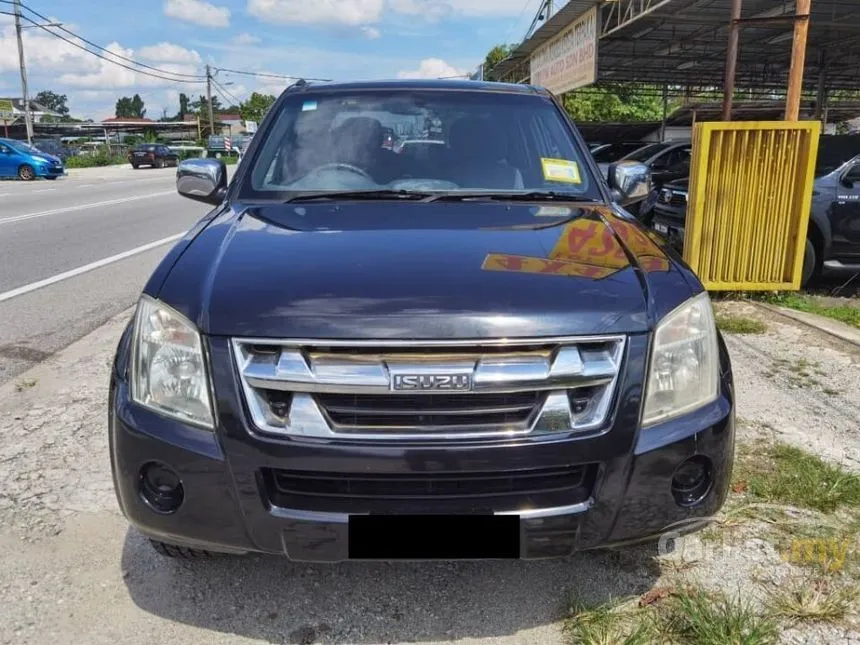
560 170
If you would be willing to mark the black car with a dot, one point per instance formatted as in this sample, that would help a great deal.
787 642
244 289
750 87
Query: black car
606 153
155 155
833 234
357 355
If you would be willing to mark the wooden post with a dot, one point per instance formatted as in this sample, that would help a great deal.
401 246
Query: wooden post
731 60
798 59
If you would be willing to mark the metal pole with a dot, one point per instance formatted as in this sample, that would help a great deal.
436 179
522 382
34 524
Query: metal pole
665 113
821 95
27 120
209 101
798 58
731 60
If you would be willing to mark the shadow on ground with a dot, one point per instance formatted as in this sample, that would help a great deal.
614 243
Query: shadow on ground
274 600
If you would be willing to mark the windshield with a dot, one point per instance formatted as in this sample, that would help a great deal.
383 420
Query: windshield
20 146
647 152
444 141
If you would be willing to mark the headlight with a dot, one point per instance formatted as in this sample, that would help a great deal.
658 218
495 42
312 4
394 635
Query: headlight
684 371
168 371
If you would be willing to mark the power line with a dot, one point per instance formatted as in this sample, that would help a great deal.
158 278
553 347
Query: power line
267 75
222 91
199 78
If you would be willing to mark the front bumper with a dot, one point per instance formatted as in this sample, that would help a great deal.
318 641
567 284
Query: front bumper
230 503
43 170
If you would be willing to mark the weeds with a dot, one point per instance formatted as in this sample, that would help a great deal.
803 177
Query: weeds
812 599
740 325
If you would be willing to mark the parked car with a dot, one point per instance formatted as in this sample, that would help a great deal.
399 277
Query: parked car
833 235
18 159
491 359
606 153
152 154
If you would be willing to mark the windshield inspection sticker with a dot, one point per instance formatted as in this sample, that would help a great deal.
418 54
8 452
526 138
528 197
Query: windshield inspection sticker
307 106
560 170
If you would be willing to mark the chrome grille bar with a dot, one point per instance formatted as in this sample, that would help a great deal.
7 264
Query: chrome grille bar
501 388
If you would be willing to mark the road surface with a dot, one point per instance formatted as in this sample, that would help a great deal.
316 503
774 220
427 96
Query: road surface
76 251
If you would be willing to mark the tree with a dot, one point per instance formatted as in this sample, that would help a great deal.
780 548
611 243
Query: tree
53 101
183 106
130 107
200 107
255 108
496 55
615 103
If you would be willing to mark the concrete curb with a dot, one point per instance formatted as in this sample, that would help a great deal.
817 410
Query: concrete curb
830 327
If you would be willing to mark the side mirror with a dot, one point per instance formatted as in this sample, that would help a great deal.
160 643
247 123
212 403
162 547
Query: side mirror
204 180
630 181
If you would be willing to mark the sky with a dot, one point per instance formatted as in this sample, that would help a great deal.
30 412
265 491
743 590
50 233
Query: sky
327 39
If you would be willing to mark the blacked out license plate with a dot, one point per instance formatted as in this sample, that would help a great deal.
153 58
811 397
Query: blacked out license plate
434 537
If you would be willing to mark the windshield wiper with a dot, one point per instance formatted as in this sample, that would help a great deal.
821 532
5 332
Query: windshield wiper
531 196
324 195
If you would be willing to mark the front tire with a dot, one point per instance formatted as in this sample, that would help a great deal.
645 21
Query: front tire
26 173
810 262
159 163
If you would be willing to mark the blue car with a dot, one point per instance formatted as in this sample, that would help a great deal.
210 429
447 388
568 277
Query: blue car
17 159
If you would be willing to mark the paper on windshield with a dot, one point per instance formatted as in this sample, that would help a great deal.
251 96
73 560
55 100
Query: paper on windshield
562 170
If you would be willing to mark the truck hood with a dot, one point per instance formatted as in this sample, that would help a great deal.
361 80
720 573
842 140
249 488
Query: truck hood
407 270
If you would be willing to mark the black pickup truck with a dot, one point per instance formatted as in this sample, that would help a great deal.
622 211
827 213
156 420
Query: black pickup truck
833 234
359 354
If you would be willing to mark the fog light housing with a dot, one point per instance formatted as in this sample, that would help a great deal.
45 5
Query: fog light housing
161 488
692 481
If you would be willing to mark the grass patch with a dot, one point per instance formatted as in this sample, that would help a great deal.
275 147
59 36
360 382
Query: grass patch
607 624
843 313
740 325
788 475
812 600
94 161
699 618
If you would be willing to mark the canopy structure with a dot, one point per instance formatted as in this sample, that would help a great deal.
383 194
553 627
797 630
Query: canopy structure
684 43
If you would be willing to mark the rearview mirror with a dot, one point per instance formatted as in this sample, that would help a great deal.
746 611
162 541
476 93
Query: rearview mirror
204 180
630 181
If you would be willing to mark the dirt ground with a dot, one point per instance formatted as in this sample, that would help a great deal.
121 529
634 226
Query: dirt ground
72 572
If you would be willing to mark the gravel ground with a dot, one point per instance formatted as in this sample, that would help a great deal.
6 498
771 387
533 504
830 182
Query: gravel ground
73 571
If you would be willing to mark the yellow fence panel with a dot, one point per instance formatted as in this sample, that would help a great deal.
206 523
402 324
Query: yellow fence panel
749 200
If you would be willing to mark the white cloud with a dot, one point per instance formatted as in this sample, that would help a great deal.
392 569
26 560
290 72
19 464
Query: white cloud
169 53
371 32
430 10
199 12
342 12
245 39
432 68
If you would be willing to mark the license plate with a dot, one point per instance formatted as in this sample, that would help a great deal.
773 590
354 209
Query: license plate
434 537
661 228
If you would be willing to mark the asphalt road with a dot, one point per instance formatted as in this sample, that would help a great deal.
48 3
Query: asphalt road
107 227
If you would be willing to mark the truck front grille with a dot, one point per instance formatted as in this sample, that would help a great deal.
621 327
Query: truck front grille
428 390
429 492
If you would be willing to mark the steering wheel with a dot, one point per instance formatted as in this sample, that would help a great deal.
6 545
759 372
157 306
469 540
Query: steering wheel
343 166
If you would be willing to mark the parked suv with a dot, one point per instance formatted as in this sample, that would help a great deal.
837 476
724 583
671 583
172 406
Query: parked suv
833 234
152 154
479 356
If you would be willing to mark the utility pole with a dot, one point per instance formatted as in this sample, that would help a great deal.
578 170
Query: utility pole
209 100
27 120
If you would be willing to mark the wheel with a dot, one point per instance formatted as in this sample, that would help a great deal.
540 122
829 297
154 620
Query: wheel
159 163
26 173
810 260
135 166
181 552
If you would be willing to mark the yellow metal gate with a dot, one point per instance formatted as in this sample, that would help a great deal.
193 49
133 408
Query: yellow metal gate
749 200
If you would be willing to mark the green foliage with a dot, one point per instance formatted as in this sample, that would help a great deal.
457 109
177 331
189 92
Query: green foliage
53 101
255 108
130 107
94 161
496 55
848 313
615 103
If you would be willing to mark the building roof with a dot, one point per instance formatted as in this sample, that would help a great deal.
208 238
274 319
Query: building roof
127 119
684 42
229 117
35 108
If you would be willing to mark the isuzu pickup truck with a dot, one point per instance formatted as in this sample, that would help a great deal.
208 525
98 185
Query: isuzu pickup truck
475 353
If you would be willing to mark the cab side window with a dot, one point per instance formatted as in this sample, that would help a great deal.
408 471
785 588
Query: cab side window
852 175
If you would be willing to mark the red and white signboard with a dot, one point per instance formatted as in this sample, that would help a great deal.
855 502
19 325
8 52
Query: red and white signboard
569 60
228 145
